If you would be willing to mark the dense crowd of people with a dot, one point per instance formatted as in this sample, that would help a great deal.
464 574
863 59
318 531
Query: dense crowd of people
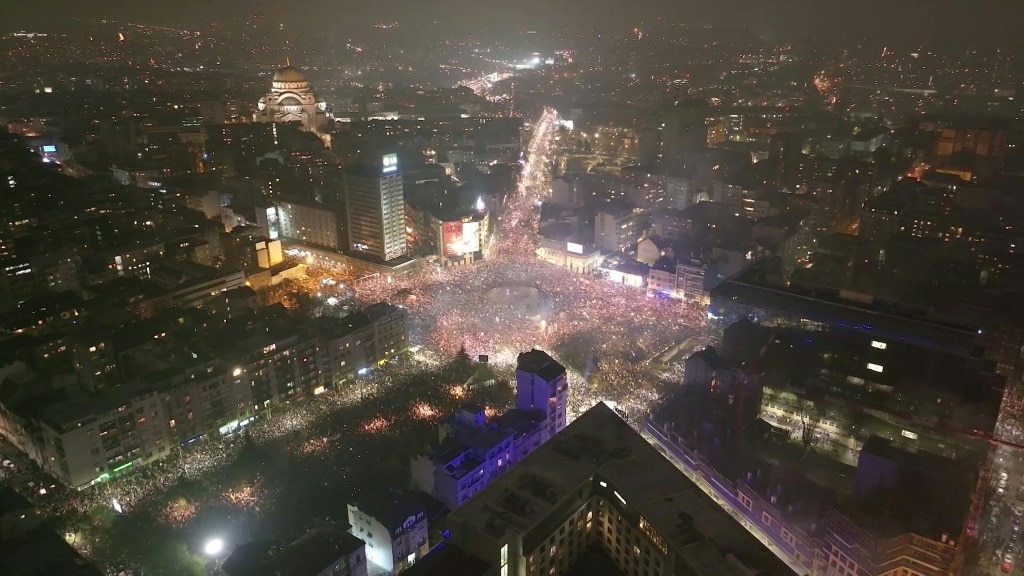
605 334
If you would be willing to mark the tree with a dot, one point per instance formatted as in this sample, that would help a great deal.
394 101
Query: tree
462 361
171 557
810 421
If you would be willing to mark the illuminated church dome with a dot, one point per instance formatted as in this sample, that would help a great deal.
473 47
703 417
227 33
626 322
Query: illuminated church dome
289 74
291 99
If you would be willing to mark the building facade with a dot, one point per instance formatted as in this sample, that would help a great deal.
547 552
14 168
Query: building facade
312 223
617 231
395 531
375 207
153 394
473 451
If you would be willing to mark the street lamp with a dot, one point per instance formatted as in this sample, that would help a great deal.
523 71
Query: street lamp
213 547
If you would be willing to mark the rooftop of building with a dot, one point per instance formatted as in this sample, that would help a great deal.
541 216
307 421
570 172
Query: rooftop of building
451 449
784 485
339 327
447 560
38 550
762 285
398 265
600 445
559 231
244 292
712 358
889 375
316 550
743 340
381 309
520 421
540 363
252 559
617 210
393 509
309 555
626 266
456 212
929 496
482 440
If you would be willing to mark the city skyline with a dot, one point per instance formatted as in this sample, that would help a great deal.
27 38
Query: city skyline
983 21
490 289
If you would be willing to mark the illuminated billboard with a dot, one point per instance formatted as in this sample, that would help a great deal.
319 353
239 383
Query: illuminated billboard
49 149
471 236
451 237
574 248
272 223
389 163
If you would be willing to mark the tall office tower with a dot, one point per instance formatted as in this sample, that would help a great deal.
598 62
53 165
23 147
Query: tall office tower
375 203
541 384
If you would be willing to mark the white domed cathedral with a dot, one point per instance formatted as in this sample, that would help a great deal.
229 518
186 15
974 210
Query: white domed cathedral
291 99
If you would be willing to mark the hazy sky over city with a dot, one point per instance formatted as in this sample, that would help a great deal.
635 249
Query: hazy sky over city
961 19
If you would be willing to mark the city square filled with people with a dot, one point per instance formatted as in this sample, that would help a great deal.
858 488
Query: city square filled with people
596 328
482 315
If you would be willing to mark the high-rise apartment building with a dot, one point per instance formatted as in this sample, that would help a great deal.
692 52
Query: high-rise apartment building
375 206
541 385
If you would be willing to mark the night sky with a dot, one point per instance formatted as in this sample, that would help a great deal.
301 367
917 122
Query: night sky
966 20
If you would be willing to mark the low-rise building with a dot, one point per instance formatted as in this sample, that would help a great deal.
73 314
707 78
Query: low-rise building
325 551
472 451
683 281
395 530
29 547
626 272
469 456
580 258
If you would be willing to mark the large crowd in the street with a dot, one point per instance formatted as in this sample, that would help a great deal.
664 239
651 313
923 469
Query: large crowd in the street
605 334
595 326
209 454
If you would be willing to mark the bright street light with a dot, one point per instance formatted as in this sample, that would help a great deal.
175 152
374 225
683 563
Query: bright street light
213 547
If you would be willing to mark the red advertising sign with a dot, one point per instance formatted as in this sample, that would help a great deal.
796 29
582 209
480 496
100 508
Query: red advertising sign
452 238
